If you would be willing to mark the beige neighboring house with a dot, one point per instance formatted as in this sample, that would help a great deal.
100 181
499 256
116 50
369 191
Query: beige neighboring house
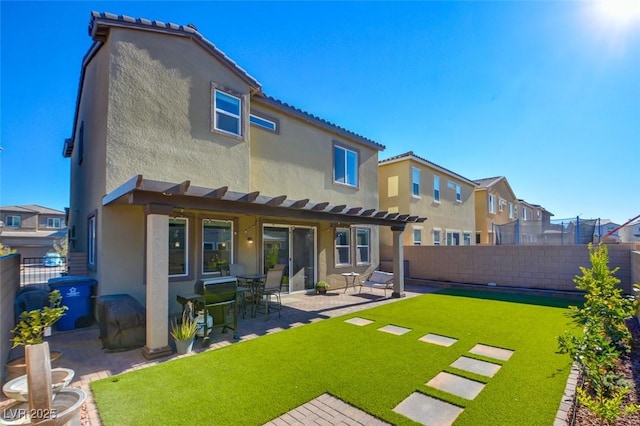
630 233
415 185
534 222
496 204
31 229
180 165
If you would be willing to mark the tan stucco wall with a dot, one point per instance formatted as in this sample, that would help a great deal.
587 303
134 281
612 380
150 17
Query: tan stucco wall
160 114
484 219
298 162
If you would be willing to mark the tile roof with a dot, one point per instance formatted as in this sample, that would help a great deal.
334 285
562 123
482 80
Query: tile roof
31 208
411 154
486 182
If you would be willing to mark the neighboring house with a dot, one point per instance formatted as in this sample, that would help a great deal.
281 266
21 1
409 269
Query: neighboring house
602 230
630 233
419 187
534 221
495 204
180 164
31 229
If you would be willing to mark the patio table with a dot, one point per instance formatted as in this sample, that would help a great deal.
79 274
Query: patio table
255 283
352 282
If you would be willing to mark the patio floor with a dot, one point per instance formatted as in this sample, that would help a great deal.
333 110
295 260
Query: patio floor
83 353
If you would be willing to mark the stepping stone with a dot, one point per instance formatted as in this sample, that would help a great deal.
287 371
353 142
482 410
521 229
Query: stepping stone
492 352
456 385
471 365
358 321
436 339
394 329
427 410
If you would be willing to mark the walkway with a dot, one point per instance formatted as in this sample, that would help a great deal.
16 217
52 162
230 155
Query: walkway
82 348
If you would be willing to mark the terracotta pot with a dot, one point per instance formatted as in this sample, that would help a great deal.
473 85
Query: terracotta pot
18 366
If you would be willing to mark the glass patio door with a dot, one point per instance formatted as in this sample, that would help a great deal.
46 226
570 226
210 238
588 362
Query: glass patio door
294 247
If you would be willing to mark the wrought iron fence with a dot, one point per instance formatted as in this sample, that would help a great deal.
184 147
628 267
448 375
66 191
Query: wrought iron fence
558 231
38 270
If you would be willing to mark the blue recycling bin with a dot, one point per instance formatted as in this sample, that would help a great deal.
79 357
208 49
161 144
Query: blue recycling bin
76 295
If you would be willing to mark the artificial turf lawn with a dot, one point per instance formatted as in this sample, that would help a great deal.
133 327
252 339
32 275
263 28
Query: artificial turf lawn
261 379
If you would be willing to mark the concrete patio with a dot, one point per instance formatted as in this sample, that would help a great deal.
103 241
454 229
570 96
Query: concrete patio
83 353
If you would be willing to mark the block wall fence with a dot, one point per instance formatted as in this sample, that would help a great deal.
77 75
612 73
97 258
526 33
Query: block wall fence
9 286
539 267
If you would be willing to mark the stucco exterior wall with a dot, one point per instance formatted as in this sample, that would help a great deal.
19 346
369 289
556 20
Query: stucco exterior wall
160 114
484 219
542 267
298 162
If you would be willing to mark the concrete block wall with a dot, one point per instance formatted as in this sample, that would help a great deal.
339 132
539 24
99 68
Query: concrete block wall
9 286
635 267
542 267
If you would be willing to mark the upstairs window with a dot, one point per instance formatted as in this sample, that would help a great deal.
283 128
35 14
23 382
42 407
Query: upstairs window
511 212
345 166
264 123
492 203
436 188
458 190
415 181
227 113
54 222
525 214
12 221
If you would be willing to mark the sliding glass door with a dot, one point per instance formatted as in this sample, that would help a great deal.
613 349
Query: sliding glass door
294 247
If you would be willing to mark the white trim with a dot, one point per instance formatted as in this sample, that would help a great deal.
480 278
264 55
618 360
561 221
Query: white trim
346 165
263 122
436 178
413 182
492 203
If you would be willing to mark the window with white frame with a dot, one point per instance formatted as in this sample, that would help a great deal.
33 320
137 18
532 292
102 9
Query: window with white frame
466 237
501 203
91 242
227 113
492 203
217 245
415 182
54 222
436 237
343 247
345 166
525 213
363 247
12 221
263 122
178 247
417 236
511 210
436 188
458 190
453 238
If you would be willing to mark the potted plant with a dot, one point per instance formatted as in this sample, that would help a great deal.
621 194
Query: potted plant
31 329
184 333
322 287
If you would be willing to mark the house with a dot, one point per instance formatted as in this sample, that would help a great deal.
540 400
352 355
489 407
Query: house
607 231
31 229
180 164
630 233
533 222
495 204
420 187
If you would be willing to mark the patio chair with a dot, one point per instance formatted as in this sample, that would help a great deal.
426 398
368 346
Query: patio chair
273 287
236 269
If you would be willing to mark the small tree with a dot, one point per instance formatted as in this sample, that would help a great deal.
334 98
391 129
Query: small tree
61 246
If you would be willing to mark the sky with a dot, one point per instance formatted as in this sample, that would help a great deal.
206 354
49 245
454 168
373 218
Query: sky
546 93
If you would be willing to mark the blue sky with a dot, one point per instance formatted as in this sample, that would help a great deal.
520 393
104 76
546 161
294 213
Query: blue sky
544 93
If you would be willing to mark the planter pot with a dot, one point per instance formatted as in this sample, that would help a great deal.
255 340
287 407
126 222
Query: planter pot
321 290
184 346
18 366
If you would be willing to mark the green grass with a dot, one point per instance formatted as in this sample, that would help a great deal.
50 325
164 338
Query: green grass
258 380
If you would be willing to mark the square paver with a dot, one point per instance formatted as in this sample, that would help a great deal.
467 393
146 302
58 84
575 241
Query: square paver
427 410
492 352
394 329
436 339
456 385
358 321
471 365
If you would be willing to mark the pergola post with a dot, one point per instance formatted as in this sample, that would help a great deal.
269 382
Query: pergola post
157 281
398 262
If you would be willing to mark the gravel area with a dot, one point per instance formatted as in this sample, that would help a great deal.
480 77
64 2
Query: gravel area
629 365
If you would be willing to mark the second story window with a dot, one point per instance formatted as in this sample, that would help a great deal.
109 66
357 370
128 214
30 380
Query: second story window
227 113
458 190
345 166
436 188
12 221
415 181
54 222
265 123
492 203
511 212
525 214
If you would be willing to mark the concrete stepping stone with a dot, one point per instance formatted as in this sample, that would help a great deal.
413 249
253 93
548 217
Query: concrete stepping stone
456 385
427 410
358 321
394 329
471 365
436 339
492 352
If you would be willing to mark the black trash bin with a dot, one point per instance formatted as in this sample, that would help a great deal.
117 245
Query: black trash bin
76 295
